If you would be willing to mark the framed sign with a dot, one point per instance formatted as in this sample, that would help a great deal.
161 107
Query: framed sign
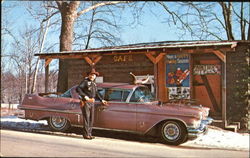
177 76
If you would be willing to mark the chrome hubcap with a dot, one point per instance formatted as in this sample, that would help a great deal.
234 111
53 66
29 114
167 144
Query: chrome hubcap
58 122
171 131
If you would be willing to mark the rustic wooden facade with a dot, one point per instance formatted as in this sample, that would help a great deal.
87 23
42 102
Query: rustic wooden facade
207 67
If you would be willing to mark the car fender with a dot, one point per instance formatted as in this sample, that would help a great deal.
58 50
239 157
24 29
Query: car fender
164 120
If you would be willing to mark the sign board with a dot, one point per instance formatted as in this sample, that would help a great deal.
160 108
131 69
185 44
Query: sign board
207 69
177 76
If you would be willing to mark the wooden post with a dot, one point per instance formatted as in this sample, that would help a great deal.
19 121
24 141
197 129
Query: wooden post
191 66
159 71
47 62
156 81
161 75
224 93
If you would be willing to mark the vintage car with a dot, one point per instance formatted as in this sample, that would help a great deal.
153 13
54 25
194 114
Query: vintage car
131 108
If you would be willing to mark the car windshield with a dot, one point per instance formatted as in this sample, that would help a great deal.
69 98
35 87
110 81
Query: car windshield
66 94
142 94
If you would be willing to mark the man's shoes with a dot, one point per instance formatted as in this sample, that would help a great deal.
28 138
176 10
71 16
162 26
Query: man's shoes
87 137
92 137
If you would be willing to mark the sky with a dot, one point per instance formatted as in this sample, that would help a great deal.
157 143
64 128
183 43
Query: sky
152 29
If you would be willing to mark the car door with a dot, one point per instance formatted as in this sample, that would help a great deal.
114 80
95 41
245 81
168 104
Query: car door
118 114
145 110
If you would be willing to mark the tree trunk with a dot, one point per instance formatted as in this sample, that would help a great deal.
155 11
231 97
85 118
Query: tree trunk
227 14
68 16
242 23
248 36
40 51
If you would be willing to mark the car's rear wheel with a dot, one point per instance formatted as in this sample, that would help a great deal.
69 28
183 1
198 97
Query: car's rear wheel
57 123
173 133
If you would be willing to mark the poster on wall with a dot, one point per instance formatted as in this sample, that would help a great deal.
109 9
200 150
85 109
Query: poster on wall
177 79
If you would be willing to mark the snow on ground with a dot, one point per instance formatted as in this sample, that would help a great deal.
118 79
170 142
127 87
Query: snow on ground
219 138
214 138
13 122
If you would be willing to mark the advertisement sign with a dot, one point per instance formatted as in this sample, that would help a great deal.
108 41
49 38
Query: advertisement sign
178 78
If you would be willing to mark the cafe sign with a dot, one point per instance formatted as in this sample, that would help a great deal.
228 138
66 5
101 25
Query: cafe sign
122 58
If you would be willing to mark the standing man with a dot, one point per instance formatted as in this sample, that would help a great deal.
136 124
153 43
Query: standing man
87 90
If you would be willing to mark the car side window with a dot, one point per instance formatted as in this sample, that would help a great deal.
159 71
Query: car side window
113 95
125 95
116 95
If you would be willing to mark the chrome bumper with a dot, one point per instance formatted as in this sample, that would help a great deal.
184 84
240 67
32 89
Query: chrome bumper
195 132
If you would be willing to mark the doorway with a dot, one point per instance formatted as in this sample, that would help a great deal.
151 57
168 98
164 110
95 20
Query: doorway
206 82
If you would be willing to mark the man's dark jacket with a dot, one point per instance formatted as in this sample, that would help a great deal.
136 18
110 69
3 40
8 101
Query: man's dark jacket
88 88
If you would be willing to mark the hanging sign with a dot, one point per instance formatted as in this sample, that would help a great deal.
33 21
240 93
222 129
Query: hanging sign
207 69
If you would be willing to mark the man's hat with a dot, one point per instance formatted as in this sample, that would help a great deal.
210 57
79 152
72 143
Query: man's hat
93 72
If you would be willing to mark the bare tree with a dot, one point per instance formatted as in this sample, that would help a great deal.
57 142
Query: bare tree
69 13
210 20
100 24
6 37
9 95
42 13
22 57
41 44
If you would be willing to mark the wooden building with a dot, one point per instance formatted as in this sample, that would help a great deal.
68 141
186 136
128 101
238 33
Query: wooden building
209 72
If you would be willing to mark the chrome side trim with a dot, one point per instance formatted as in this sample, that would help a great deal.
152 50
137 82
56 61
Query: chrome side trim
109 129
51 110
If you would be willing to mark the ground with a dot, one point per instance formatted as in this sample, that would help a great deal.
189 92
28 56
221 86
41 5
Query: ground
214 138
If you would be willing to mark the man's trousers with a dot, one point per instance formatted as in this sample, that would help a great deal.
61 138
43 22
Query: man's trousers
88 118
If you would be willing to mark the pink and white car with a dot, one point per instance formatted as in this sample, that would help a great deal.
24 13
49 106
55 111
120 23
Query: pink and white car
132 108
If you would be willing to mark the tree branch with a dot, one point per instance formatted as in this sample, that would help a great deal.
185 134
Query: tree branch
50 16
99 5
59 4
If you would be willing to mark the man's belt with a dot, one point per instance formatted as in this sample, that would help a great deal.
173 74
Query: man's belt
82 102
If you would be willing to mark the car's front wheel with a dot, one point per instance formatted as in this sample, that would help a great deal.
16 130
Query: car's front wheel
57 123
173 133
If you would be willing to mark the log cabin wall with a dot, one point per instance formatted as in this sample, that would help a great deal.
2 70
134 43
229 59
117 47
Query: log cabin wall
77 70
113 68
237 82
116 68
